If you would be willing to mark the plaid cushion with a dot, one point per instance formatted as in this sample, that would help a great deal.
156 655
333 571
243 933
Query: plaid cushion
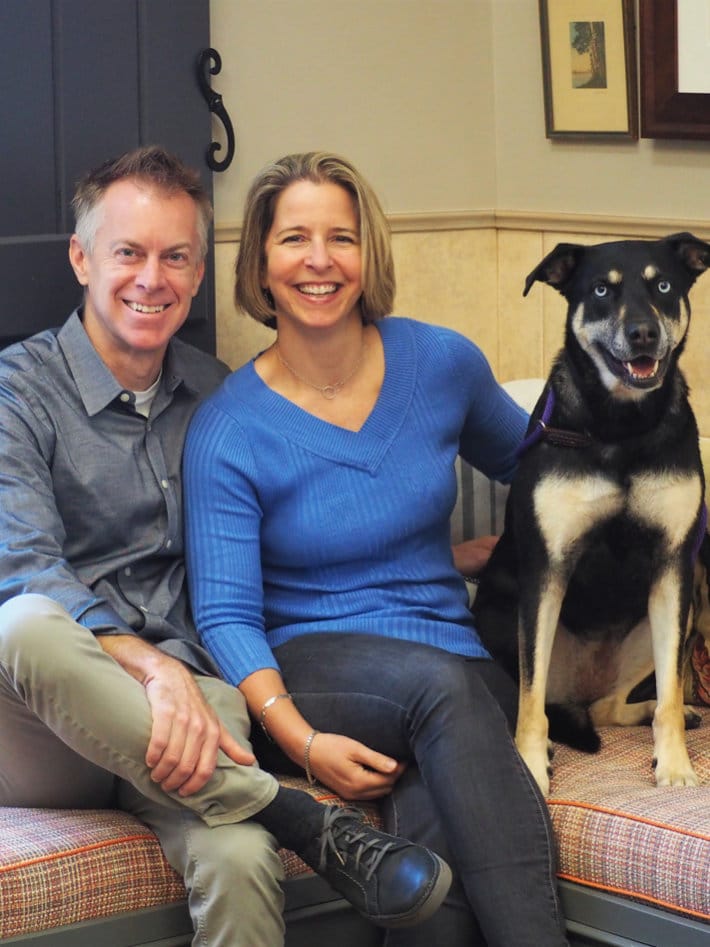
618 832
63 866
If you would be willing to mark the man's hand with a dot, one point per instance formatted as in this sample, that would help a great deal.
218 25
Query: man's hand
352 769
186 733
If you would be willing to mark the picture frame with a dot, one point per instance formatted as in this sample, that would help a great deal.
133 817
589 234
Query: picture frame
667 112
589 68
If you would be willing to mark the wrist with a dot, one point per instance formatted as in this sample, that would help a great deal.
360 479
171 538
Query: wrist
282 724
138 658
265 708
307 756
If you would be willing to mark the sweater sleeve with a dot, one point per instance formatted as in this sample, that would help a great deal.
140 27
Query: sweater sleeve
495 424
222 530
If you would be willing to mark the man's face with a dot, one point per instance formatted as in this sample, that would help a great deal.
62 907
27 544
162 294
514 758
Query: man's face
141 275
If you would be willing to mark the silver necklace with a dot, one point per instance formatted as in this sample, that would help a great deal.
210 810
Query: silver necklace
328 391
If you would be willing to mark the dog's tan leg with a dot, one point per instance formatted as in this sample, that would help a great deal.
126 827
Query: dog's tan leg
671 503
673 767
532 729
566 509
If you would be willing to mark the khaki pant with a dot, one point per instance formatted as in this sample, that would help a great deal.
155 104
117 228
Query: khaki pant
74 729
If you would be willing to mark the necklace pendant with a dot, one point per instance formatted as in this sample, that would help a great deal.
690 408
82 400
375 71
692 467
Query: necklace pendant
328 391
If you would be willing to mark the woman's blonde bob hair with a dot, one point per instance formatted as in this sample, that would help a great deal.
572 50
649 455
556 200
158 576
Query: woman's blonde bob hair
378 279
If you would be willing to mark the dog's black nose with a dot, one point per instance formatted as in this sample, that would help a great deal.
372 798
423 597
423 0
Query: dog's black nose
642 333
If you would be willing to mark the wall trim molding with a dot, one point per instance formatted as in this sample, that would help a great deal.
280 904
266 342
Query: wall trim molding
599 224
446 220
521 220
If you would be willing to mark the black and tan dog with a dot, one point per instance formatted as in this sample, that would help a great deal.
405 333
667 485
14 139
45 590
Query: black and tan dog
589 588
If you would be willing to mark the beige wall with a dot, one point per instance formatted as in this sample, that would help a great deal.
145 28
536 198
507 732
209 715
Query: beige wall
404 88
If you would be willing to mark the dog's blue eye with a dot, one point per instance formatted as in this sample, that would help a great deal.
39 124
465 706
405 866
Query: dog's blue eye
664 286
600 290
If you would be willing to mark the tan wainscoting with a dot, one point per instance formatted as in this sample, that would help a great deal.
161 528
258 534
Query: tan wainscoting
467 271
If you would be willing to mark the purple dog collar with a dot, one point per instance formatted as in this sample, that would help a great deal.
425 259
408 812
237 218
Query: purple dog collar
555 435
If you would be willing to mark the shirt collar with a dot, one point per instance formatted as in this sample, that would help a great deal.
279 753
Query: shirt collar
178 367
96 385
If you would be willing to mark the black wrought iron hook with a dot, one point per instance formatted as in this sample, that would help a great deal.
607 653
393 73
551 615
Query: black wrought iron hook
209 63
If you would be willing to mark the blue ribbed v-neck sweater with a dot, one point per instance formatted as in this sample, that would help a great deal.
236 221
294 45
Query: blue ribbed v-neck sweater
295 525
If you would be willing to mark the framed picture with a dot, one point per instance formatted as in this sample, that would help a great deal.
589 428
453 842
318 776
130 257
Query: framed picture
589 68
675 68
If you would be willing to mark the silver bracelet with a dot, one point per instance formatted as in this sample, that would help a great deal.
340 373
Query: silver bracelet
307 757
269 703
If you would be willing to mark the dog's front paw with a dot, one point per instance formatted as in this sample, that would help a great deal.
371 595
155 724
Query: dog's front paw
539 766
692 720
675 775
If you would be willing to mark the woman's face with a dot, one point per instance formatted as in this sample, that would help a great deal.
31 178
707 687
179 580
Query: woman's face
313 257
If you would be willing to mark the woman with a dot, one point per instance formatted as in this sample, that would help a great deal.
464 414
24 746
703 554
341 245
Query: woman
319 483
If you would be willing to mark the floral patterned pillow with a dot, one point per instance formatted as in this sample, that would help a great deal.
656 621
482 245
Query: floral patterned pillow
700 666
697 690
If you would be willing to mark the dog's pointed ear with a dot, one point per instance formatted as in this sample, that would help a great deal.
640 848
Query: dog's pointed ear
557 267
692 252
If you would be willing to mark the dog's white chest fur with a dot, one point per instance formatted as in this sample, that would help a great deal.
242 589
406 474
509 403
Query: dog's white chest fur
568 507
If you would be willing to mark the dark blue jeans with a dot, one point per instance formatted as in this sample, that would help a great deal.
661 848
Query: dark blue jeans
467 794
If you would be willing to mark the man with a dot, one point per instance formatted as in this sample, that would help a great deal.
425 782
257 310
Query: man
106 696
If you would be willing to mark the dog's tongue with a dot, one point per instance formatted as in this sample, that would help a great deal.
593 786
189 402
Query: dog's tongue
642 367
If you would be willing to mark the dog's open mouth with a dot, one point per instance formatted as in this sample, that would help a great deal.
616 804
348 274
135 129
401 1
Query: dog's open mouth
642 369
640 372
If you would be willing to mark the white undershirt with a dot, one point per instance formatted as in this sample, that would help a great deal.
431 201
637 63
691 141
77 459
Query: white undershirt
144 399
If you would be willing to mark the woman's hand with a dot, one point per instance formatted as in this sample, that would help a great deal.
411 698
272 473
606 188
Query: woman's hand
352 769
470 557
346 766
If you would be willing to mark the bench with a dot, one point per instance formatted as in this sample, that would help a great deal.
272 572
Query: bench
633 863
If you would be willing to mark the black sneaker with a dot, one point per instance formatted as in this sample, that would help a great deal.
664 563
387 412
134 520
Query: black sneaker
390 881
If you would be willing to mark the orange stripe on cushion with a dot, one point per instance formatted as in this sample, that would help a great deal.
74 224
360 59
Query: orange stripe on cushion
79 850
610 889
632 818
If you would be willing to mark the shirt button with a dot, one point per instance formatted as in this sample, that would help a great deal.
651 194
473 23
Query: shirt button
127 570
168 544
125 396
164 484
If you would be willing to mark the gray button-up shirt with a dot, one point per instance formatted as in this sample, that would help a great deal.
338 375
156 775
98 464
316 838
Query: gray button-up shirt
90 490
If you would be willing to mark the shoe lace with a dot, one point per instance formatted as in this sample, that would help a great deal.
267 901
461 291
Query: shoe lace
340 837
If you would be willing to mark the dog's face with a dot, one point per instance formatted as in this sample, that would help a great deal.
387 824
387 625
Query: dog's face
628 304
